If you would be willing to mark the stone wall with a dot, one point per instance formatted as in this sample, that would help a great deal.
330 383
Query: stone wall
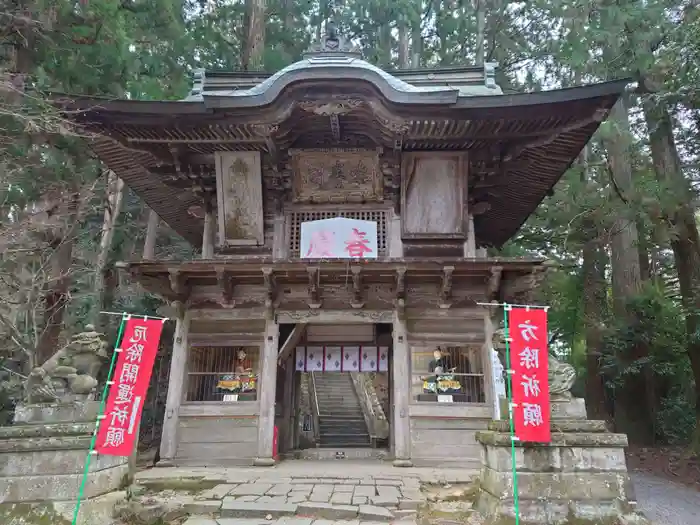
42 457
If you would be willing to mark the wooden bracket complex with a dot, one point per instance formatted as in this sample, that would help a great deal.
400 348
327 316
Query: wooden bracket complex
357 300
314 288
446 287
225 282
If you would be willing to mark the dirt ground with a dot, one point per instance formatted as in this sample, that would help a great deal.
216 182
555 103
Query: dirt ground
670 463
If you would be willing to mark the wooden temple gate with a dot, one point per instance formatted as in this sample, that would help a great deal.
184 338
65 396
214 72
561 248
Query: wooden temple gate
442 162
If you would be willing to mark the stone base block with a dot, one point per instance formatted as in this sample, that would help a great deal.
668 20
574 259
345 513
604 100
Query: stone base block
61 487
574 408
92 511
79 411
580 477
551 512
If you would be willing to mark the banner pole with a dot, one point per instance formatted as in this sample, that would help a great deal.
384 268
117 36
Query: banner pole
100 416
516 504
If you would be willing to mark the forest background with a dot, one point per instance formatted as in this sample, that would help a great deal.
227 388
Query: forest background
622 224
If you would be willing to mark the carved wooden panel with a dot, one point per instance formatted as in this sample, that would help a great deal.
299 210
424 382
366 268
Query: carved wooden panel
433 195
239 192
337 175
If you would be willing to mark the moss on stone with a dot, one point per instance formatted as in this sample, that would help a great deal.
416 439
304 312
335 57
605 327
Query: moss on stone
30 514
189 485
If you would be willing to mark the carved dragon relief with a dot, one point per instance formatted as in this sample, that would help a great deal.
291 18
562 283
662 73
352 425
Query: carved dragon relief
337 175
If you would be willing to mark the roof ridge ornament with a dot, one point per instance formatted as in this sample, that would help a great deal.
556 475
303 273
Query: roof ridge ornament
333 43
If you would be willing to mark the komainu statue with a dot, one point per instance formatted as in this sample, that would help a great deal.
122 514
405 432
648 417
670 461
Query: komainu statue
562 376
71 372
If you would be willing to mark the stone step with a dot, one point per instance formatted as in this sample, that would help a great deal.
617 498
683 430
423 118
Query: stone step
235 509
353 426
46 430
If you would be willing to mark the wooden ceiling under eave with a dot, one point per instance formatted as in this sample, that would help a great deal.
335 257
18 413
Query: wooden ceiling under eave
520 145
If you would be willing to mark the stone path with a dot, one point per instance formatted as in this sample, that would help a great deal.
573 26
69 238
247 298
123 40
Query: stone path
299 493
197 520
665 502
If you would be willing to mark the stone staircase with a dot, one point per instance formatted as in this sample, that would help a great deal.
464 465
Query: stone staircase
342 423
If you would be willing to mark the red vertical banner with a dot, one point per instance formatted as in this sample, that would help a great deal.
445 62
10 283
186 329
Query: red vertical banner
527 330
117 432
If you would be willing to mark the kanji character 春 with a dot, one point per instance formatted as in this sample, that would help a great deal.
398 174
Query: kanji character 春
139 336
531 386
530 358
357 245
532 415
114 437
119 415
125 393
129 373
321 244
134 353
527 331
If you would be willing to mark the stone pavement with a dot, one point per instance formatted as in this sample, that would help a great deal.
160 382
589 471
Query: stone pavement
665 502
300 492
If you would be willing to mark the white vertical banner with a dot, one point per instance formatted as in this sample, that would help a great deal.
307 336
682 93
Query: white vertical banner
333 359
351 358
383 359
314 359
499 384
300 362
368 363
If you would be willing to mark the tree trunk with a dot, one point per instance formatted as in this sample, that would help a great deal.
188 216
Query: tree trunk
594 290
385 43
404 52
416 44
685 241
479 50
632 415
113 204
57 286
254 51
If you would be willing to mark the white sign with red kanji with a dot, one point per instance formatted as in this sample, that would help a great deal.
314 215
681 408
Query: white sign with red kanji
338 238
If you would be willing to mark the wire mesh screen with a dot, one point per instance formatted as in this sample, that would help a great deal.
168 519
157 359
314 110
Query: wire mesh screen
296 218
452 374
222 373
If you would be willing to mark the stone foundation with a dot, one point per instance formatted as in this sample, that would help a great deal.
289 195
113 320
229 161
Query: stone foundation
580 477
42 457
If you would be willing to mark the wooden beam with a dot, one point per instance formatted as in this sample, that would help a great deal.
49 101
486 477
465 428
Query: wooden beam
446 287
322 316
357 300
291 342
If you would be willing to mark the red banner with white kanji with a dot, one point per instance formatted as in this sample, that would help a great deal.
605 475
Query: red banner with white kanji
527 329
117 432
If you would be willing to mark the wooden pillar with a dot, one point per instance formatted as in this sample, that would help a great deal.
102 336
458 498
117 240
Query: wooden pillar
395 242
176 387
279 237
208 234
470 243
268 387
489 385
401 393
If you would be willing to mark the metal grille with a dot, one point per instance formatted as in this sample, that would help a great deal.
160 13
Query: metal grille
457 377
298 217
222 373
